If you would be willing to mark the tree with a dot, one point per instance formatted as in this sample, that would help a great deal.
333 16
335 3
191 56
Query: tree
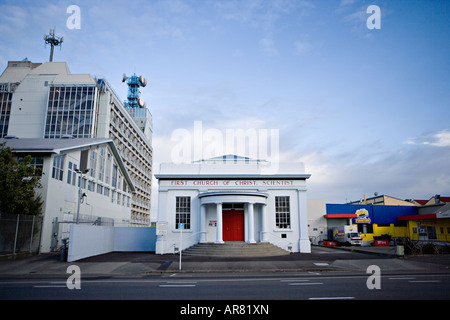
18 182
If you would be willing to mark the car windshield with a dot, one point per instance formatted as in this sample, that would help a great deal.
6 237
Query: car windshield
354 234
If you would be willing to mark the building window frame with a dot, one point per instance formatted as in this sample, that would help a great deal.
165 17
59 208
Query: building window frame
282 212
71 173
58 167
183 212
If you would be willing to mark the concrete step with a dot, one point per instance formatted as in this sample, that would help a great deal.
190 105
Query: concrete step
235 249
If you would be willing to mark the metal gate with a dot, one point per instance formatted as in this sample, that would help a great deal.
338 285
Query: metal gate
61 227
20 233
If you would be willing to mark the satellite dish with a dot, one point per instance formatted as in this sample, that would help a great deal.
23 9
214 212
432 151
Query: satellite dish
124 77
141 103
143 81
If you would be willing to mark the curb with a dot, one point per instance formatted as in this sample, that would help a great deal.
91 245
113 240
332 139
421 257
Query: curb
356 249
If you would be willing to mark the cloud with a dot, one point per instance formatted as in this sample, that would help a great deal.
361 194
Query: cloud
304 47
347 2
268 46
407 172
439 139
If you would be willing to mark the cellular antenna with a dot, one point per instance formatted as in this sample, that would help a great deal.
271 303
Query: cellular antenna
134 94
53 41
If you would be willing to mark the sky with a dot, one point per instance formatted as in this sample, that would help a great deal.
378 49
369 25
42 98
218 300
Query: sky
365 109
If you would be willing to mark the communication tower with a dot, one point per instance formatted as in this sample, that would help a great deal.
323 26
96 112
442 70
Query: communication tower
53 41
134 94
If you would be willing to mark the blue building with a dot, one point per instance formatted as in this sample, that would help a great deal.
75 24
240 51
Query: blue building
372 220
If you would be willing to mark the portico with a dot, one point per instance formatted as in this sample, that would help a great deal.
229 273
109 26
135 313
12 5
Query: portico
249 201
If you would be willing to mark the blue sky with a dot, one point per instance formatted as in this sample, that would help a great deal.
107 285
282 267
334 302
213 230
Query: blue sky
365 110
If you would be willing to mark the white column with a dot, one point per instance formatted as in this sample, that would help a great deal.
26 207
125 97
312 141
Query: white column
264 224
303 241
251 224
161 240
202 224
219 238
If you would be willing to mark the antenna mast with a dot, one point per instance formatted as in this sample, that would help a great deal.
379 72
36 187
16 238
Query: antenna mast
134 94
53 40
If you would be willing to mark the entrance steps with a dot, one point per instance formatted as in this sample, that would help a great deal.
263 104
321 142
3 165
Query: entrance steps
235 249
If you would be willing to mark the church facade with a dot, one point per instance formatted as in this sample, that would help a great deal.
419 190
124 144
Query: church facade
232 198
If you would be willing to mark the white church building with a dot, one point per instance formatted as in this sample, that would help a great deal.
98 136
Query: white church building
231 198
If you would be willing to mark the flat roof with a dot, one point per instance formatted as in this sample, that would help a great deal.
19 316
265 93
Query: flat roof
33 145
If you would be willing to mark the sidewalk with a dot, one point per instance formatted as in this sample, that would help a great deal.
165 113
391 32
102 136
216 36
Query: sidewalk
141 264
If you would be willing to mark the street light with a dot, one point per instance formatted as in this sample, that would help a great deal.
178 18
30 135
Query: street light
79 190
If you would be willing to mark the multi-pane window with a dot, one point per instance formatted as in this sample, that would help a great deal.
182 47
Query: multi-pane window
119 181
93 163
114 176
37 163
71 173
82 182
5 109
282 212
101 170
99 189
183 212
70 111
91 186
58 167
108 167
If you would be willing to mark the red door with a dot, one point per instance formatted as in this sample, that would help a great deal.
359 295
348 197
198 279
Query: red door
233 225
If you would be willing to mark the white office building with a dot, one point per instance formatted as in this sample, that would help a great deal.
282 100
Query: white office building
232 198
48 101
101 195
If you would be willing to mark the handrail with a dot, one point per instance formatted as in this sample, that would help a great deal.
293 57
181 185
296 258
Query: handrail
174 243
320 236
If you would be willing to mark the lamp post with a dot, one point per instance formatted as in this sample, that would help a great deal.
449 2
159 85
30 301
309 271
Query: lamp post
79 190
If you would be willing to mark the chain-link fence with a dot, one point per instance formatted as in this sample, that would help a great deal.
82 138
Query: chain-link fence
19 233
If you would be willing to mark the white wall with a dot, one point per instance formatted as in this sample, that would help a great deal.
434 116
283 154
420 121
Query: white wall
29 106
134 239
317 224
87 241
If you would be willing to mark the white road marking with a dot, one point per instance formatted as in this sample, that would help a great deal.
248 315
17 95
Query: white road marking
332 298
176 285
304 283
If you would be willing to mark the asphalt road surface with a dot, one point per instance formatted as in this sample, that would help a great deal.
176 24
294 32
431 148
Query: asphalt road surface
235 286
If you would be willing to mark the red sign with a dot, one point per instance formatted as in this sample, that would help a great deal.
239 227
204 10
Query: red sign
381 243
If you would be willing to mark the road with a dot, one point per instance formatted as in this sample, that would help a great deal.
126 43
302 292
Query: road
235 286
